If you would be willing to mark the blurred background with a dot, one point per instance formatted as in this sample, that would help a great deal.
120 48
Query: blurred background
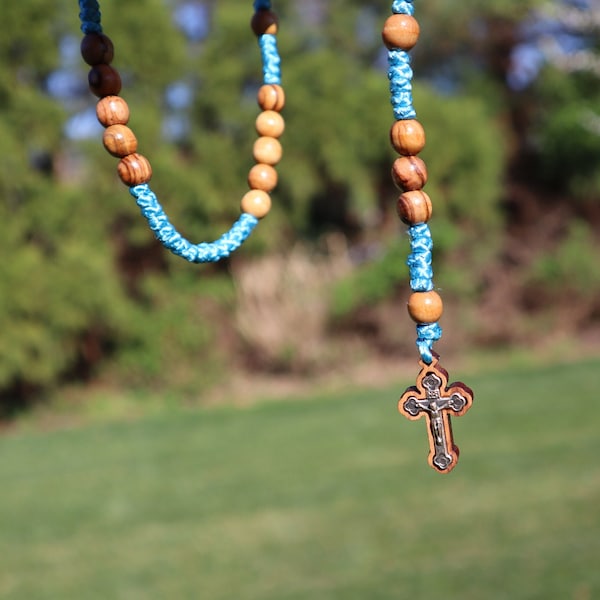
119 476
509 97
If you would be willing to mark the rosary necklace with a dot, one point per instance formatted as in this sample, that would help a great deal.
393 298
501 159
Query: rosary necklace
432 397
134 169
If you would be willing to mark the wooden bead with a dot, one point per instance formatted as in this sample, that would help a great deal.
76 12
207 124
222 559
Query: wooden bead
134 169
97 49
425 307
400 32
119 140
409 173
112 110
271 97
407 137
257 203
267 150
104 81
262 177
264 21
414 207
270 123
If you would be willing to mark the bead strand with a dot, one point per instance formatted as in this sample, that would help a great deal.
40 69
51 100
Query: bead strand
135 170
267 150
97 50
409 173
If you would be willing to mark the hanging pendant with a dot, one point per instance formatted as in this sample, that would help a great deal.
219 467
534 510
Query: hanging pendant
434 399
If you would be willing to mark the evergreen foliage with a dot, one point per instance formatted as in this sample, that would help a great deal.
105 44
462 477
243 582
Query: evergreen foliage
84 285
569 133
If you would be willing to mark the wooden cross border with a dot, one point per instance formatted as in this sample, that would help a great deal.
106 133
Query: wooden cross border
433 398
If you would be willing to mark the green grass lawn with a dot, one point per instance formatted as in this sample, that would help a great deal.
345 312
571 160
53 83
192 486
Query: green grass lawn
319 499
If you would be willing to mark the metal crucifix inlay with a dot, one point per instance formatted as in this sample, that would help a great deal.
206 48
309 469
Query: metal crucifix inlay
433 398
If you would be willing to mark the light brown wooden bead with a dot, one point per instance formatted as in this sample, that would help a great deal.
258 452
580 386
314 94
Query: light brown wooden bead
112 110
271 97
414 207
257 203
97 49
119 140
400 32
104 81
425 307
134 169
407 137
267 150
262 177
264 21
270 123
409 173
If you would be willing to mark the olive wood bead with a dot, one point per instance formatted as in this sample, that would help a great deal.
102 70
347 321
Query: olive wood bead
414 207
270 123
425 307
271 97
401 32
134 169
267 150
256 203
409 173
119 140
104 81
262 177
112 110
407 137
97 49
264 21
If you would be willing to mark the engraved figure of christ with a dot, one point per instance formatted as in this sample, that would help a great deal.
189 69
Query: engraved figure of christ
433 399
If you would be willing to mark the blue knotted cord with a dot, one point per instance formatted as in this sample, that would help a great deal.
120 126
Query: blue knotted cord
172 240
400 76
151 209
419 260
427 335
403 7
89 15
270 58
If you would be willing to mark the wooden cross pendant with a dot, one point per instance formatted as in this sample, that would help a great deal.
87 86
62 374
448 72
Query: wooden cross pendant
436 400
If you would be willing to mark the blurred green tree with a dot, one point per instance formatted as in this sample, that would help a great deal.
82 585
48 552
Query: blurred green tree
76 254
83 279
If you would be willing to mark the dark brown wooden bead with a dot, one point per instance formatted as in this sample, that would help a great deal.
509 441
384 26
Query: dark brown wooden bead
414 207
119 140
97 49
409 173
270 123
104 81
112 110
425 307
271 97
134 169
256 203
400 32
262 177
267 150
407 137
264 21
